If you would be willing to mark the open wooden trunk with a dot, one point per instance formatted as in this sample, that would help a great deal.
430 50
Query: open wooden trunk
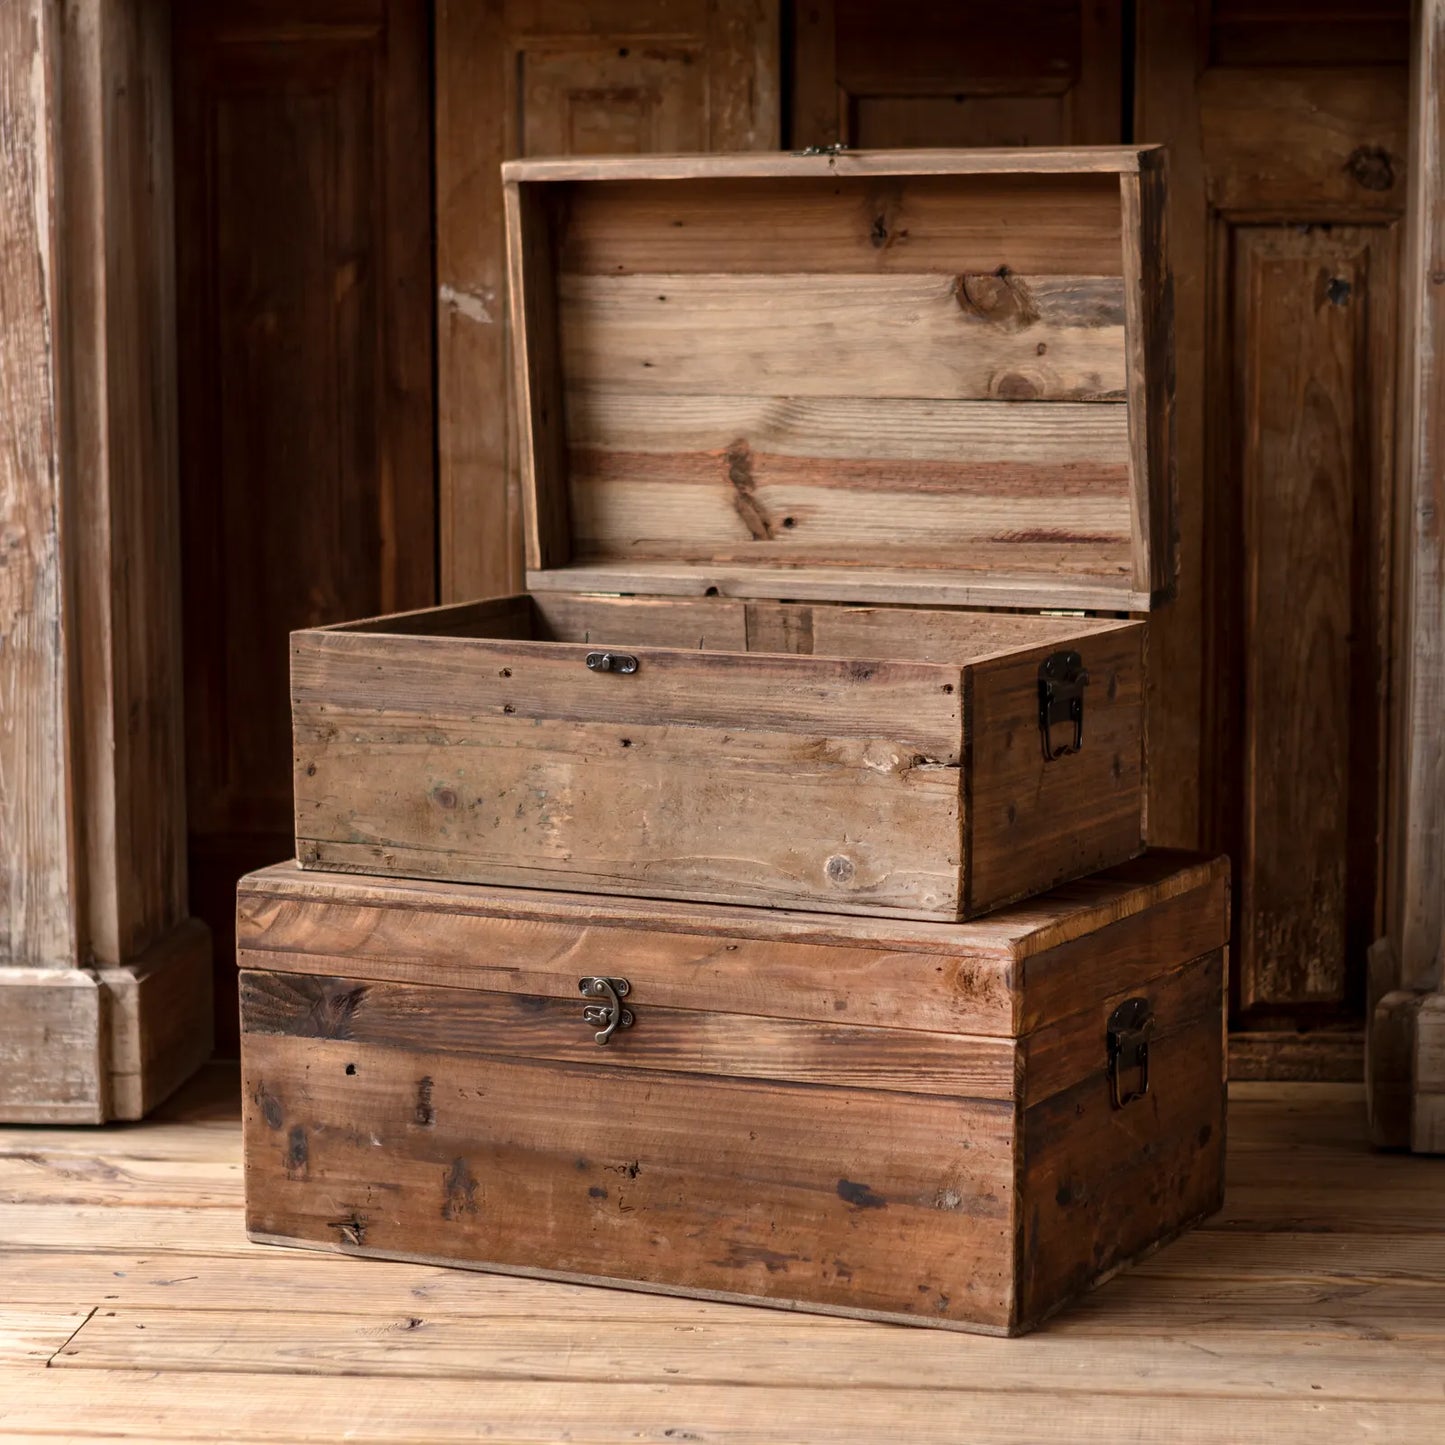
810 444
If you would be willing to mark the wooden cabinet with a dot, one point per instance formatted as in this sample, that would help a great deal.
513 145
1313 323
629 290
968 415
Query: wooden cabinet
1286 131
305 328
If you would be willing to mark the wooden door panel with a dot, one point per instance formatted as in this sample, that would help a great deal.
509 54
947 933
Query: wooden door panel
612 99
304 281
1311 403
1043 72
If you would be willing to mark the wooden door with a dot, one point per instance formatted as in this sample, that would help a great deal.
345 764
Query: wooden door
556 77
304 271
1286 127
938 73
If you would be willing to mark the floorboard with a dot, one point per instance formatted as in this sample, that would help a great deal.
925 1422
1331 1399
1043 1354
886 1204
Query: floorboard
133 1307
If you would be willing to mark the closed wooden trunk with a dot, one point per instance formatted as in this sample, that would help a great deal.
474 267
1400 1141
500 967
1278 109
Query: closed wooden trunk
916 1121
784 419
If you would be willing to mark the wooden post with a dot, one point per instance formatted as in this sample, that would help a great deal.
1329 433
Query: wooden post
1407 1061
104 981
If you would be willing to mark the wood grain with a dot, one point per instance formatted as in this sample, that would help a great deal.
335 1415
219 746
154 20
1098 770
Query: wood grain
918 224
1310 715
803 781
1416 819
601 1188
1080 811
37 865
1037 337
723 1042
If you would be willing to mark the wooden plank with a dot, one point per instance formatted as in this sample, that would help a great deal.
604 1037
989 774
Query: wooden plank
1416 912
53 1069
703 624
780 1355
335 922
915 587
100 1177
969 337
1303 306
1090 160
268 1407
1168 36
37 865
121 1227
537 382
373 681
600 1187
725 1042
1149 353
738 504
1020 931
32 1336
896 429
942 225
1079 811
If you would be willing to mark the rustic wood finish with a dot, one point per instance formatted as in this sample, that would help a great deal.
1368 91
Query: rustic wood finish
842 775
93 927
885 1167
850 303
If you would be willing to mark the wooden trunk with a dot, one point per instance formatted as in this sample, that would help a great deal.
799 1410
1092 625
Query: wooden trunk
904 1121
779 415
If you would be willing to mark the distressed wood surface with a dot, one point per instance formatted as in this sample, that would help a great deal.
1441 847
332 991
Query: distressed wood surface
1046 338
1042 160
574 1177
611 294
461 1087
1019 932
892 784
1166 109
686 1041
1417 814
1312 691
38 927
939 225
1223 1336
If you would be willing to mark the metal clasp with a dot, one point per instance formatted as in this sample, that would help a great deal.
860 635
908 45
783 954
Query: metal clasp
611 662
836 149
1062 681
610 1015
1130 1028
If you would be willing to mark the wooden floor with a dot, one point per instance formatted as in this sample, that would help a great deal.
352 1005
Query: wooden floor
131 1305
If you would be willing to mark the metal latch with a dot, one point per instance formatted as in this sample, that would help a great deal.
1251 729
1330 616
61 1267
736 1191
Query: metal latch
1130 1028
611 662
610 1016
1062 681
835 149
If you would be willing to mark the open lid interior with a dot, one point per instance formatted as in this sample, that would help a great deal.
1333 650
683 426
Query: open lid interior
938 377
